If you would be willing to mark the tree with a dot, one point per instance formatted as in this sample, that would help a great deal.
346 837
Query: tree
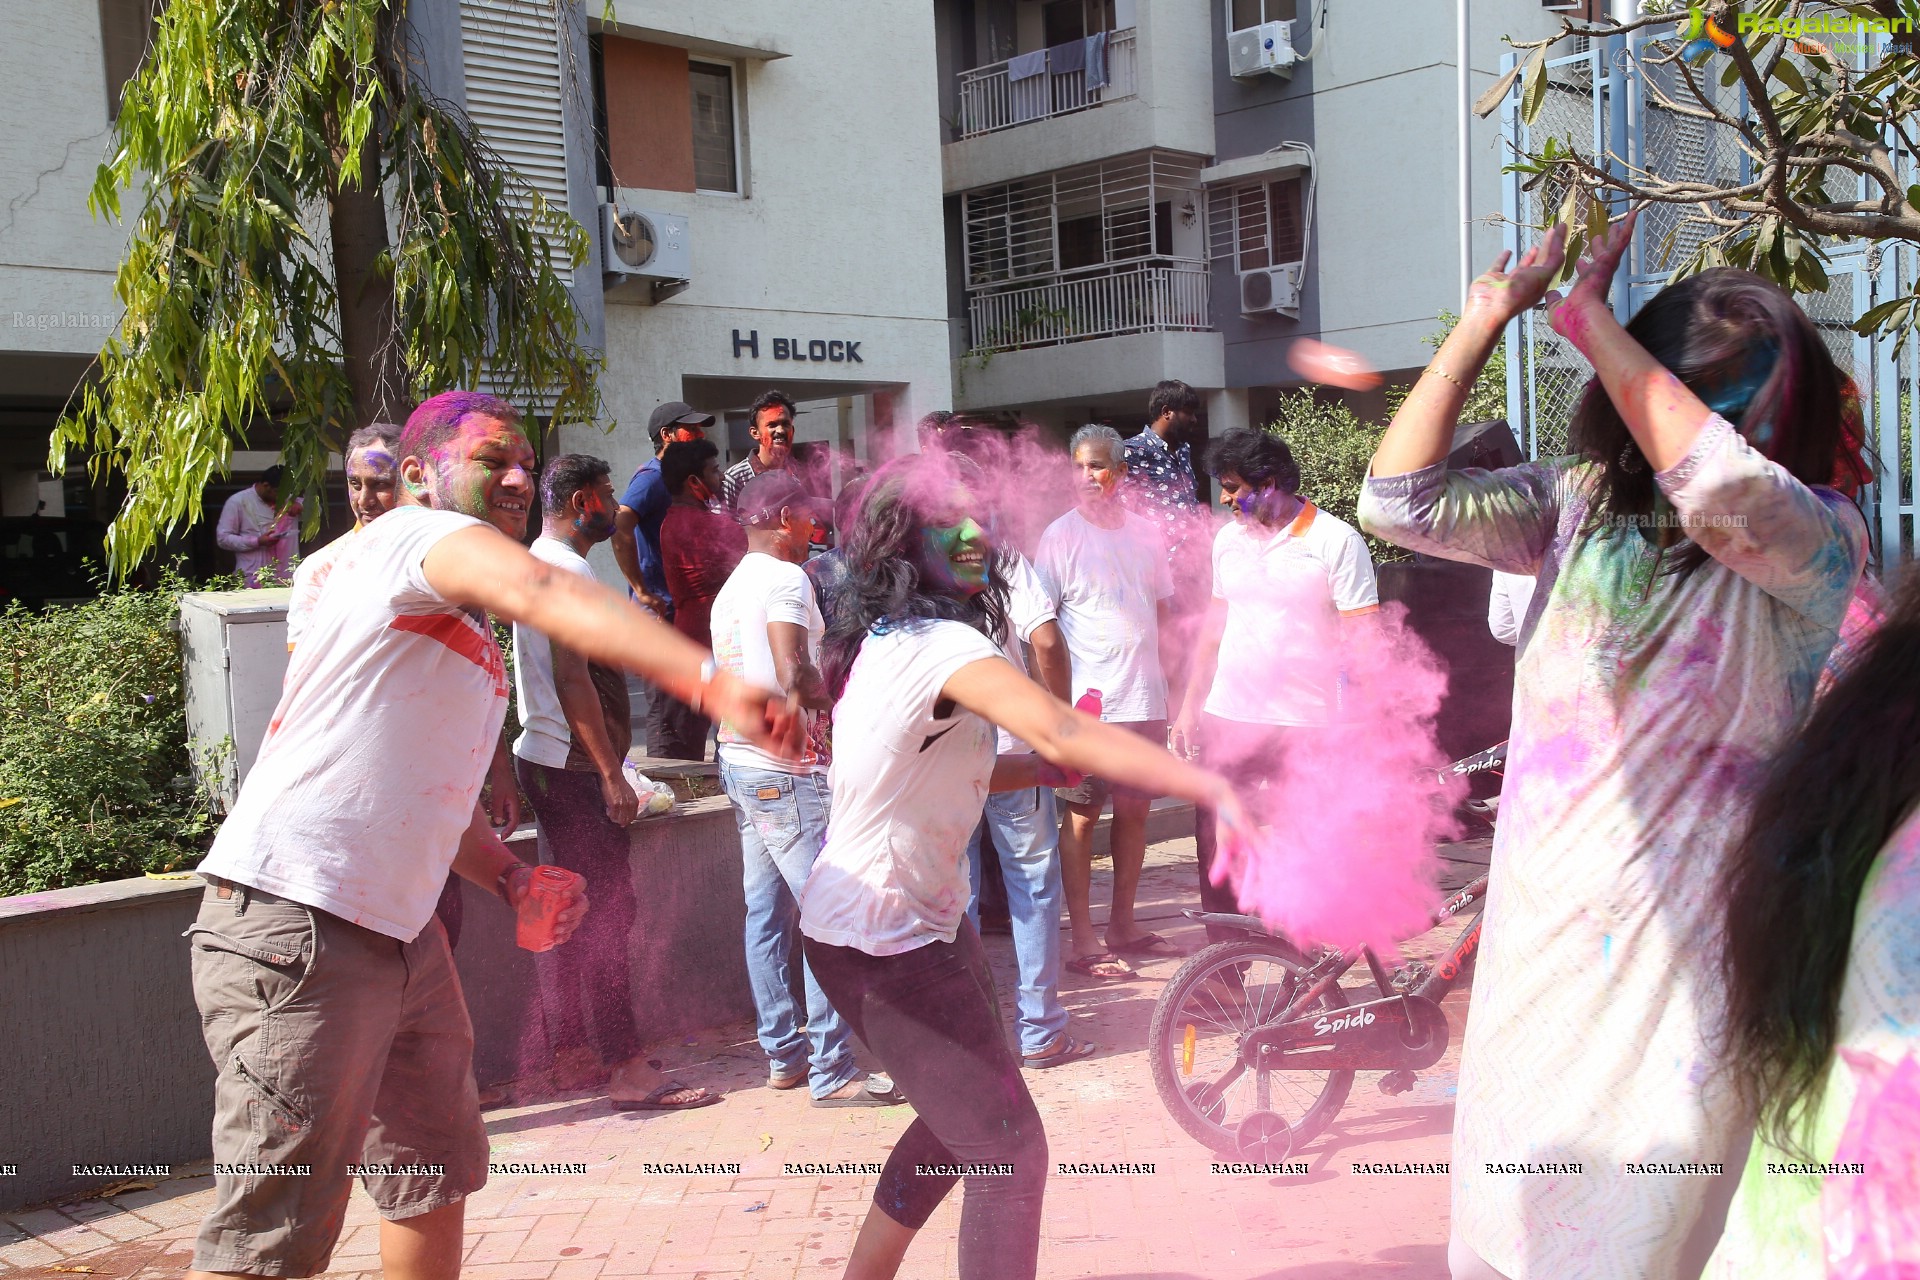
1825 145
277 142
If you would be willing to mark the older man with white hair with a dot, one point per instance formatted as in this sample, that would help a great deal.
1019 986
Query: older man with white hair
1107 569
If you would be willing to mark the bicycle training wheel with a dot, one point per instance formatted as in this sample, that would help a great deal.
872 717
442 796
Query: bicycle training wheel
1220 995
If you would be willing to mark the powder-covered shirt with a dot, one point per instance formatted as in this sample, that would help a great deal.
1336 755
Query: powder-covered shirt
1107 585
245 520
1029 607
699 548
375 755
1285 591
908 786
764 589
308 580
1645 705
546 738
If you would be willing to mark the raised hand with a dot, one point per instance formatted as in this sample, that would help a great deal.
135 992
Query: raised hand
1498 295
1567 314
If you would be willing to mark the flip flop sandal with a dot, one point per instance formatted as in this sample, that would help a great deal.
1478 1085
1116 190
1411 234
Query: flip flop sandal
655 1100
1085 966
1070 1050
867 1097
1151 944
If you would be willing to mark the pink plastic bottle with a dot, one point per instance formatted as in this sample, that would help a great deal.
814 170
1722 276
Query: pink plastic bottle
1090 703
539 912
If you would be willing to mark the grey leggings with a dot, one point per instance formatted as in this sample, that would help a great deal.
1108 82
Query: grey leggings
930 1016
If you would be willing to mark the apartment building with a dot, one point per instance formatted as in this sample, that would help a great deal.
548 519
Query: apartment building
1148 189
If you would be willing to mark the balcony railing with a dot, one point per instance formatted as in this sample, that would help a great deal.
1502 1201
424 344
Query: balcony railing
989 101
1092 302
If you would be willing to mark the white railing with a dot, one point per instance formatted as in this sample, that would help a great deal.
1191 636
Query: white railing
990 101
1092 302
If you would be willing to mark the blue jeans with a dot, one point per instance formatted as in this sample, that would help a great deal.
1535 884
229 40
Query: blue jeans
783 824
1027 834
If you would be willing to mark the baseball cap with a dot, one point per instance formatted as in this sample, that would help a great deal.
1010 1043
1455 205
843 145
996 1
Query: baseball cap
762 497
676 413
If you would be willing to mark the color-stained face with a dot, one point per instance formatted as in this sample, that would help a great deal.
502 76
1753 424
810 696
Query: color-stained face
486 472
772 430
1245 501
958 549
705 487
1097 472
370 483
682 433
593 509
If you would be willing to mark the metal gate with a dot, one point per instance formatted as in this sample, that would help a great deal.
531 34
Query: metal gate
1597 99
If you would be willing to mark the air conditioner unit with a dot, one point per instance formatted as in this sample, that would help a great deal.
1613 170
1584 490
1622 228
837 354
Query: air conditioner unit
645 248
1260 51
1271 289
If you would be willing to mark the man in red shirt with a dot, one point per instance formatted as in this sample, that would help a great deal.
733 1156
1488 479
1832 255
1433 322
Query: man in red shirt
699 548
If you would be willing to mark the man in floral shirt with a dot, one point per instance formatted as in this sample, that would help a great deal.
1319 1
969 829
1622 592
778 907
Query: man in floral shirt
1159 485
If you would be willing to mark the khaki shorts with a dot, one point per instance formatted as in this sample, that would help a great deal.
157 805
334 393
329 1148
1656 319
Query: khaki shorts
340 1053
1094 792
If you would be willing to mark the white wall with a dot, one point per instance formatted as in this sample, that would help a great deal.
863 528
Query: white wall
56 260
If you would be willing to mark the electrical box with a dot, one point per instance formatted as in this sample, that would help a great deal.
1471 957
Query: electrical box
233 645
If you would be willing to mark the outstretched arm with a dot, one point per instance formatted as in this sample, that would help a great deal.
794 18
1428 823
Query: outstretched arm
481 566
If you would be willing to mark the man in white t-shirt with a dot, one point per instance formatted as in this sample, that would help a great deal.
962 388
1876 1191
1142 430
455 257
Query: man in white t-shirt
1289 582
1107 571
327 995
766 630
570 758
1507 603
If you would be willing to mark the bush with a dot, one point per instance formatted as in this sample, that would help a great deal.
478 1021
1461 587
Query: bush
94 772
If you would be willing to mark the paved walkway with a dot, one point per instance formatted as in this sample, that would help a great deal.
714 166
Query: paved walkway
1181 1222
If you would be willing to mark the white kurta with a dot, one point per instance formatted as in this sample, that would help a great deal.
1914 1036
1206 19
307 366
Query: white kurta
1643 707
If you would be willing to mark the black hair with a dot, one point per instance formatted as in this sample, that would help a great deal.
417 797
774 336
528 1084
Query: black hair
1172 394
769 399
683 460
439 420
566 475
932 426
846 505
1706 331
1831 799
885 553
272 475
1258 457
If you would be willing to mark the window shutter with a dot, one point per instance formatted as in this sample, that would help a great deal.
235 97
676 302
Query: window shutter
511 52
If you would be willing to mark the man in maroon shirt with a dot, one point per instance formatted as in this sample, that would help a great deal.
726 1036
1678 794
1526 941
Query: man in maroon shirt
699 548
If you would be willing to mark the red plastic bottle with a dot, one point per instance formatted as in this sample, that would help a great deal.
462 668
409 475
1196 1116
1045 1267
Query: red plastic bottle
1090 703
539 912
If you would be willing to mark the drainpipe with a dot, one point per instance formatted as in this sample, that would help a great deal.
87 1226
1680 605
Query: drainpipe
1463 66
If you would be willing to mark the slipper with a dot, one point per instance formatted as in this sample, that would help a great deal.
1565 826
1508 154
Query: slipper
655 1100
1070 1049
1151 944
868 1096
777 1081
1094 960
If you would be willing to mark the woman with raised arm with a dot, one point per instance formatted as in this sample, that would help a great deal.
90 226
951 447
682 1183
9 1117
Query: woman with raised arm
921 683
1693 564
1822 964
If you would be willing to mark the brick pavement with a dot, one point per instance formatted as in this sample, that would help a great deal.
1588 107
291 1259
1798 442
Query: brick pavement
619 1219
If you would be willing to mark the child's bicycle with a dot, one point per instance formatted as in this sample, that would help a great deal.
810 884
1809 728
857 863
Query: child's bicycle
1254 1044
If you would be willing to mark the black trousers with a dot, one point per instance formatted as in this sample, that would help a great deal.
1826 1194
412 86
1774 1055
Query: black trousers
929 1015
589 974
1249 756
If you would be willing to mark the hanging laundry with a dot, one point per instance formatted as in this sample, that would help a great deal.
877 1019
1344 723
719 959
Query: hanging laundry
1025 66
1096 61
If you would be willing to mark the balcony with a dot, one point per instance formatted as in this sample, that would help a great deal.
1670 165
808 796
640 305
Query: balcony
991 101
1092 302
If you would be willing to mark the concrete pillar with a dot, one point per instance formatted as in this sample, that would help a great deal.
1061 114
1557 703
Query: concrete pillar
1227 411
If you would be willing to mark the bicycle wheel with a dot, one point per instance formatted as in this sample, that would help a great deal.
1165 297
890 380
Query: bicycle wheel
1194 1049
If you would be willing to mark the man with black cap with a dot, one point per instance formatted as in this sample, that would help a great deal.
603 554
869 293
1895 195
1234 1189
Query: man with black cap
260 536
636 541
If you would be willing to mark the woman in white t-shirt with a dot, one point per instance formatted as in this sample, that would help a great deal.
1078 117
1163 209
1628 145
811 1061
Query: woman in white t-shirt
921 686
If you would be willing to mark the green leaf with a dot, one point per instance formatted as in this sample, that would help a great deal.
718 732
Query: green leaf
1789 75
1533 91
1913 195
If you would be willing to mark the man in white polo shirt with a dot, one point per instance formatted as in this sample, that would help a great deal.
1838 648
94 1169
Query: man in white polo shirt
1289 581
327 995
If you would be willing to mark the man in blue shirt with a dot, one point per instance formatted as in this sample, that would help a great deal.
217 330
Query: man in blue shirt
636 541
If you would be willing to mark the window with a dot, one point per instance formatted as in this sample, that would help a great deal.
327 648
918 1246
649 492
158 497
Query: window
1268 224
1117 211
126 29
715 161
1251 13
